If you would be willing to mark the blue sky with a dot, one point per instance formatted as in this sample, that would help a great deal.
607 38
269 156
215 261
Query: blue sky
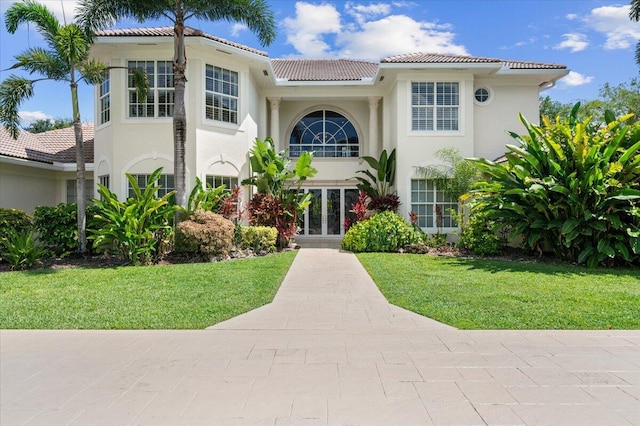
594 38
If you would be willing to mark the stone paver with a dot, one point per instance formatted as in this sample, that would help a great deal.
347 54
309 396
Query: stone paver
328 351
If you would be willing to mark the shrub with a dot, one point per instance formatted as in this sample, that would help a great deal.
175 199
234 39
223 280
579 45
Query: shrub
436 240
383 203
478 235
204 234
383 232
571 186
22 250
57 226
140 229
267 210
258 238
13 220
417 248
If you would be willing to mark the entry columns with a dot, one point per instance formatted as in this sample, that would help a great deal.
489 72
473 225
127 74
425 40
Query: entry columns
275 120
371 147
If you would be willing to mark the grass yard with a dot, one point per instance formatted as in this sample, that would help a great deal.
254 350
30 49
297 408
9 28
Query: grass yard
186 296
485 294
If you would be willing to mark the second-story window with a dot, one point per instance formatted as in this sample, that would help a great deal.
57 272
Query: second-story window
435 106
221 91
104 99
160 101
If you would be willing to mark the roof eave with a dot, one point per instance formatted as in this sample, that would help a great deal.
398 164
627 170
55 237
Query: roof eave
282 82
440 65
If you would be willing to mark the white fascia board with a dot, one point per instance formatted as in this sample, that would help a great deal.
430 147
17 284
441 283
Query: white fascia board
56 167
72 167
556 73
282 82
225 48
439 66
134 40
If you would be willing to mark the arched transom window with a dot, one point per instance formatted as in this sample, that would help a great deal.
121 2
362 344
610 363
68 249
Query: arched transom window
327 133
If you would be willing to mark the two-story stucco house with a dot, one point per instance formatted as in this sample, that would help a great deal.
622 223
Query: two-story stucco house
342 109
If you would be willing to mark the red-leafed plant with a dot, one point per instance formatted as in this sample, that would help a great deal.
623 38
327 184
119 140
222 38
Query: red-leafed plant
383 203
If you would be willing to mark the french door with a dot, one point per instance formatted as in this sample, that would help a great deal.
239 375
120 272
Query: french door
326 214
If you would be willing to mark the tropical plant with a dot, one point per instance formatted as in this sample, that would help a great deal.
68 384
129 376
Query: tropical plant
255 14
47 124
571 187
66 59
634 14
382 203
14 219
258 238
208 199
279 200
478 234
383 232
139 229
57 227
454 176
22 250
382 180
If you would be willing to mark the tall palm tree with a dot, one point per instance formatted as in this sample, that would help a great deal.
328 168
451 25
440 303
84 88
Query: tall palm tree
634 14
256 14
66 59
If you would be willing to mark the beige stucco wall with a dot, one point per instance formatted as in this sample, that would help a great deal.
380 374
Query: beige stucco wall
25 187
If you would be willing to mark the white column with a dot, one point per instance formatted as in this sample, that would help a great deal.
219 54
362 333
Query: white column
371 147
274 131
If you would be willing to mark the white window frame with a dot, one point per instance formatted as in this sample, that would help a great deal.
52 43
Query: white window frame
71 194
216 180
143 181
435 107
224 94
160 85
104 100
425 194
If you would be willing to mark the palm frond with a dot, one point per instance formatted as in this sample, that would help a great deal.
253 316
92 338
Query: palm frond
634 10
638 53
255 14
93 71
13 91
96 15
72 44
44 62
36 13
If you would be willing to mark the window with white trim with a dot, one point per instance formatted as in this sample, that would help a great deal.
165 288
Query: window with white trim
229 181
104 99
327 133
435 106
433 207
72 193
166 184
160 100
221 94
104 181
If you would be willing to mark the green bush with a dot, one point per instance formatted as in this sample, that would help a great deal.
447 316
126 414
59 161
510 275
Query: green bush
258 238
571 187
13 220
204 234
478 235
140 229
383 232
436 240
22 250
57 226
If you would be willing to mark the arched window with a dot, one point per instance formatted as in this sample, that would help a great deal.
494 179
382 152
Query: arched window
327 133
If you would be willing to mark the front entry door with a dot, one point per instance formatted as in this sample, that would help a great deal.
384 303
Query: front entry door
328 209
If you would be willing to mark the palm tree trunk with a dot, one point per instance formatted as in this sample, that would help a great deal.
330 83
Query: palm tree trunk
179 114
80 170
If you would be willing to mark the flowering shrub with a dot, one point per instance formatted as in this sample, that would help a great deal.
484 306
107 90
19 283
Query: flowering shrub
384 232
204 234
267 210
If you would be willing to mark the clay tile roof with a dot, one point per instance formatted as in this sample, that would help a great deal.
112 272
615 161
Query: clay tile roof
168 32
437 58
323 69
48 147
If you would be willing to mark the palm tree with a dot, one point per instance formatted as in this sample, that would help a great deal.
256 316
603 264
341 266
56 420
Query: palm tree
66 59
634 14
101 14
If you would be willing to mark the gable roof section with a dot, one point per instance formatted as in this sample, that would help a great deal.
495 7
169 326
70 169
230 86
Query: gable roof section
168 32
323 69
54 146
438 58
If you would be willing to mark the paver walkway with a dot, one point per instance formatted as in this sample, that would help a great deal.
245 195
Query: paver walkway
328 351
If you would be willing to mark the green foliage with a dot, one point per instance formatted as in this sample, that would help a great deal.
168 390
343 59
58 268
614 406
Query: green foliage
436 240
204 234
455 176
570 187
57 226
279 200
383 232
258 238
139 229
22 250
209 199
378 183
46 124
478 234
13 220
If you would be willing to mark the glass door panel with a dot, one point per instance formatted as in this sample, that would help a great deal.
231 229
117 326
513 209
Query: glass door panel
350 197
334 224
315 212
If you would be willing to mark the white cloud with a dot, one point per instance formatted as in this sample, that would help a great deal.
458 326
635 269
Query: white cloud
237 28
576 79
28 117
572 16
574 41
614 23
305 32
319 31
64 10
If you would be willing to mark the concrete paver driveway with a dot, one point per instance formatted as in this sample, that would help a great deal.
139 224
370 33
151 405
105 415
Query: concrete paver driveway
328 351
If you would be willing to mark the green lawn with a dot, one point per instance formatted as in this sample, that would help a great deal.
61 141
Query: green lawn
485 294
188 296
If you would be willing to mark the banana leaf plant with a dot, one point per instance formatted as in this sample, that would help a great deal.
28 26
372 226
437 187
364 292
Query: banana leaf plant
380 182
